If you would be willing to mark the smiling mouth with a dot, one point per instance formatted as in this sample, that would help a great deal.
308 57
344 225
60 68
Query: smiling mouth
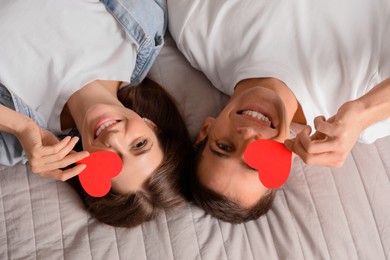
104 126
258 116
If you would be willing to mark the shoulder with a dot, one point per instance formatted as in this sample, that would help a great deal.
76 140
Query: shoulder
179 12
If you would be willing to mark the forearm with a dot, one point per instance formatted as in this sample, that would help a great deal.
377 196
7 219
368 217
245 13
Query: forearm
11 121
375 105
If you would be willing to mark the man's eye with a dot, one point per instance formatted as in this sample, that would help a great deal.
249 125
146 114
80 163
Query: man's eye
140 144
224 147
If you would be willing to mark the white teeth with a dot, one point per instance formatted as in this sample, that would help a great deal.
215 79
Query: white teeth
257 115
103 126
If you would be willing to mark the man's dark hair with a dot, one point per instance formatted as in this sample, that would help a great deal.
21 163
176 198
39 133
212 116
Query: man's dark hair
221 206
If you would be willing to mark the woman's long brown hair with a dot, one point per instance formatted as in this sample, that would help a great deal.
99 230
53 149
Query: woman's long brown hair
165 187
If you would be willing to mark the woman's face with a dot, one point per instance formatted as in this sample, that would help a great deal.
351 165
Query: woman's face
121 130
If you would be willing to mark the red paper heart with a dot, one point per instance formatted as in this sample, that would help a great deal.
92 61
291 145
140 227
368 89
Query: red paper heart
272 160
102 166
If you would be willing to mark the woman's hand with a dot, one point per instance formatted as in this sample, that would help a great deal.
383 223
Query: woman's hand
47 155
333 139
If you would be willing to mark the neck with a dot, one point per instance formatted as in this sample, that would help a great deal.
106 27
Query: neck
293 108
96 92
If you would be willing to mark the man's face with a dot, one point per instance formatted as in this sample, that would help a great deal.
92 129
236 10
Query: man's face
251 114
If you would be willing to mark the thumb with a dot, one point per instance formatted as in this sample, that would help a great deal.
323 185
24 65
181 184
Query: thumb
325 127
289 143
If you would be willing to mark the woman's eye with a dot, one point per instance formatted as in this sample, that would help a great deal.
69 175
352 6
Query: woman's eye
223 147
140 144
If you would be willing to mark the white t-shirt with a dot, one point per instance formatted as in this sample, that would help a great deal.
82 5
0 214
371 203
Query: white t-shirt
50 49
327 52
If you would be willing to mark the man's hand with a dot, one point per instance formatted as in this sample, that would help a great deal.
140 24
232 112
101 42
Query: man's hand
47 155
333 139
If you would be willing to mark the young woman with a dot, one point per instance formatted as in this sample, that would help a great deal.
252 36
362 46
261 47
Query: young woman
61 66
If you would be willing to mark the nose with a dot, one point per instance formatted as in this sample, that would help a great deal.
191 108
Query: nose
115 140
248 134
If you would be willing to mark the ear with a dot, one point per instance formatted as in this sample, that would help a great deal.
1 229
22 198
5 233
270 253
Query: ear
150 123
204 130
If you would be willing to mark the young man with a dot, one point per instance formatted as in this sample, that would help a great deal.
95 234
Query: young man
325 64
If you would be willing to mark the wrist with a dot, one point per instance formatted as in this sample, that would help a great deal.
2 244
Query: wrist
22 125
375 104
368 112
11 121
358 113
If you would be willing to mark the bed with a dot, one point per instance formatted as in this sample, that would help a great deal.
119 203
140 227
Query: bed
320 213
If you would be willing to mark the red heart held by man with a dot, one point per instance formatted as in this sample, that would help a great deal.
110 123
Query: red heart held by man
272 160
102 166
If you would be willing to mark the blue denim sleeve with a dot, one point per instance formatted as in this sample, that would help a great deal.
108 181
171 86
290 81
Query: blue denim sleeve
11 151
145 22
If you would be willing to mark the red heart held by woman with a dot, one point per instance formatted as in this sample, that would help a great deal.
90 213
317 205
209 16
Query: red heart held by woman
272 160
102 166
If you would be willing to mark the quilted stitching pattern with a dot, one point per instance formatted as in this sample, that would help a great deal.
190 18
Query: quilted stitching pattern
320 213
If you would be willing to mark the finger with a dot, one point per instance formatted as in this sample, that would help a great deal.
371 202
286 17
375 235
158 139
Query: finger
322 159
52 174
290 143
53 149
66 161
318 152
318 120
72 172
302 146
60 154
318 136
325 127
306 130
38 166
303 139
318 143
60 175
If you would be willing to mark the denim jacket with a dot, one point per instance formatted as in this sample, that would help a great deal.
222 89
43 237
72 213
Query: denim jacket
145 22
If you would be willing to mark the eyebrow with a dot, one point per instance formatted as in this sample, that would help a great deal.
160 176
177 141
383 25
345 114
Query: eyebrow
226 156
